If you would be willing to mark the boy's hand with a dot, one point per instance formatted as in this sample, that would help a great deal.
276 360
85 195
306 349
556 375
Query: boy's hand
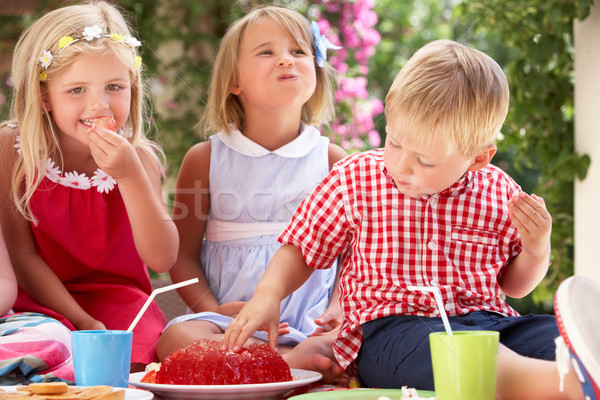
533 222
257 314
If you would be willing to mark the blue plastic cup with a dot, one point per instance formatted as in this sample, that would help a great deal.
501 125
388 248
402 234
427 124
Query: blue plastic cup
102 357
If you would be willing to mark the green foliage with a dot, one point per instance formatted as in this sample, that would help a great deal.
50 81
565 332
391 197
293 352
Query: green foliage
539 131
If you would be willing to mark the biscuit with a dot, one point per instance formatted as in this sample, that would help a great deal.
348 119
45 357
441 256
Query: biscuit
114 395
50 391
14 395
94 392
61 396
48 388
6 395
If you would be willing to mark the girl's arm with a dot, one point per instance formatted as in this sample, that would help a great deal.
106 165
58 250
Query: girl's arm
286 272
190 212
8 282
534 224
336 153
138 177
32 273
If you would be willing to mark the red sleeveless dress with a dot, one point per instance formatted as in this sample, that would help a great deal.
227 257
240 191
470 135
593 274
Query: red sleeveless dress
83 234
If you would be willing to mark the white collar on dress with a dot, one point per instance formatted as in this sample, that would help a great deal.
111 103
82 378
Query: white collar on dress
299 147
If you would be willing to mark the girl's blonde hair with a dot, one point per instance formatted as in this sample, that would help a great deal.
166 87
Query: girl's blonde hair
224 110
38 133
449 89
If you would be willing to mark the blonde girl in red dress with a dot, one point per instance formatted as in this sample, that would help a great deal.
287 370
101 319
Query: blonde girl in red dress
81 206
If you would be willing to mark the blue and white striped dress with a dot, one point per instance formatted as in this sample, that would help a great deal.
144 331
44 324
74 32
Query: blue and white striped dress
253 194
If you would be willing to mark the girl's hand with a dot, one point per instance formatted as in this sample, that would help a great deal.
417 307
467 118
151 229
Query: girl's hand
533 221
91 325
329 321
230 309
284 328
113 153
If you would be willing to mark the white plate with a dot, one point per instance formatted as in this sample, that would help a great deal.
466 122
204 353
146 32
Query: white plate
227 392
130 394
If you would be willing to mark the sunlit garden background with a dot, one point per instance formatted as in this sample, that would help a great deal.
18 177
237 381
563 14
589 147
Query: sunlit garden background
531 39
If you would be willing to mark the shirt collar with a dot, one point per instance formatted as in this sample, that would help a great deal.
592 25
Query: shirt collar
462 185
299 147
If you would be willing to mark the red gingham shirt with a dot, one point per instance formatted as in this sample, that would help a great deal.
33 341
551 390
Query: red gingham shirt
457 240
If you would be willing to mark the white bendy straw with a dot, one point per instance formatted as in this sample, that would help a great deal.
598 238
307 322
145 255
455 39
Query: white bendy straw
440 304
153 294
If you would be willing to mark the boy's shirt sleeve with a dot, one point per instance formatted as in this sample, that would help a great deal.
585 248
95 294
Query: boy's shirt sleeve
319 227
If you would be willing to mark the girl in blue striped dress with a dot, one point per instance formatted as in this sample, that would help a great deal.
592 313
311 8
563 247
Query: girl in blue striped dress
270 88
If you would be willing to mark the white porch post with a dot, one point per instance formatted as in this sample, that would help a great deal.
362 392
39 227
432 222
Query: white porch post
587 140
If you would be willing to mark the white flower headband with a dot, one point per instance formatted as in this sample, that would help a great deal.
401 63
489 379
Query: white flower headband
89 33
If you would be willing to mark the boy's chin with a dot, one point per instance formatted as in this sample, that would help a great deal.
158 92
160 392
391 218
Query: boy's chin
415 192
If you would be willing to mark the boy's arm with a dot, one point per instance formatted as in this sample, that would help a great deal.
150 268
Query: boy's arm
534 224
286 272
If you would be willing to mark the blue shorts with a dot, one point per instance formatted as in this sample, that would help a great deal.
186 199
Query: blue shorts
395 350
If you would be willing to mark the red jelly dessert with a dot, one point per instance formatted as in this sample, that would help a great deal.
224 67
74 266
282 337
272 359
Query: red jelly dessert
150 377
107 122
204 362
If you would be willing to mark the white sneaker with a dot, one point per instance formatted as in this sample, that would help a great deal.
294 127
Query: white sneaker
577 310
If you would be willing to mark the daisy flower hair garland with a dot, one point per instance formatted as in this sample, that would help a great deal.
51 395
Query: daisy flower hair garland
89 33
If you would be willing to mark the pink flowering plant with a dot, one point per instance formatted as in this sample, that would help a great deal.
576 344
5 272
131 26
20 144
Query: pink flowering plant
351 24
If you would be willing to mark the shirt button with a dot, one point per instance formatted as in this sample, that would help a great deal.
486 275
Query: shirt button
432 245
448 307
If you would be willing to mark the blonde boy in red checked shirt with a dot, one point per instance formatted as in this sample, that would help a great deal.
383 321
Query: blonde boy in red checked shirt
428 209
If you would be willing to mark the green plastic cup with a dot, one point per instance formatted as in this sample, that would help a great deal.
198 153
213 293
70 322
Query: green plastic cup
464 364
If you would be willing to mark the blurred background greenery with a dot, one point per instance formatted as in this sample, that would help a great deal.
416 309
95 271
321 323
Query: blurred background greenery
531 39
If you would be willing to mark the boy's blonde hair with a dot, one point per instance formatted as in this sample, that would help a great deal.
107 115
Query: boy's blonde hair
224 110
38 133
449 89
